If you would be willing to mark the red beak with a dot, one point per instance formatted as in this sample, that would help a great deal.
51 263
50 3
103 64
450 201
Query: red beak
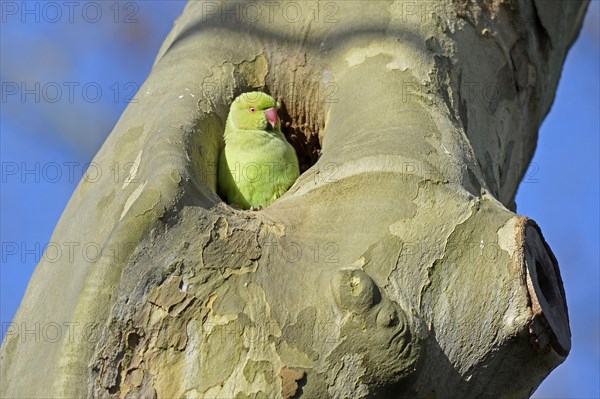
271 114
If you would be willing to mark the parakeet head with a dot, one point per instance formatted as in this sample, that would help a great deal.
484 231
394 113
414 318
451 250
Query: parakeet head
254 111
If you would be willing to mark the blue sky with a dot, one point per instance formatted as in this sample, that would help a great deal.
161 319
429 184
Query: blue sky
87 64
563 199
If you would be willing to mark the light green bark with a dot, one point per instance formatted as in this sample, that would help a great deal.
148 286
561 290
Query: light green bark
394 267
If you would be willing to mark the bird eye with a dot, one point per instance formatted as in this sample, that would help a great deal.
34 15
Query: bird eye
252 109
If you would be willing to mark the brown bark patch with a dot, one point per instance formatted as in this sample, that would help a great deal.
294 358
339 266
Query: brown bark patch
290 381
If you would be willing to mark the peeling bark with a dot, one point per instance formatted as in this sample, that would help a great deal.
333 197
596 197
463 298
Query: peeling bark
394 267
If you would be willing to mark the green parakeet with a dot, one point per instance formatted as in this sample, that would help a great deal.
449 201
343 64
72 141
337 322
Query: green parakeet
257 164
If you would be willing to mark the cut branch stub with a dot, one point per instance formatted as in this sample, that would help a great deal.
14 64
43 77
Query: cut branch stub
550 322
447 299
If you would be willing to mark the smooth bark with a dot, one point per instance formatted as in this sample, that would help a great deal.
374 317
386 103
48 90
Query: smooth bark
394 267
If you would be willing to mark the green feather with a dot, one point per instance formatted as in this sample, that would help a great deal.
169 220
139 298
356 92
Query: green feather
257 164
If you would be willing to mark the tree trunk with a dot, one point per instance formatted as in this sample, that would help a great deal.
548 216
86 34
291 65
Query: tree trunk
394 267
